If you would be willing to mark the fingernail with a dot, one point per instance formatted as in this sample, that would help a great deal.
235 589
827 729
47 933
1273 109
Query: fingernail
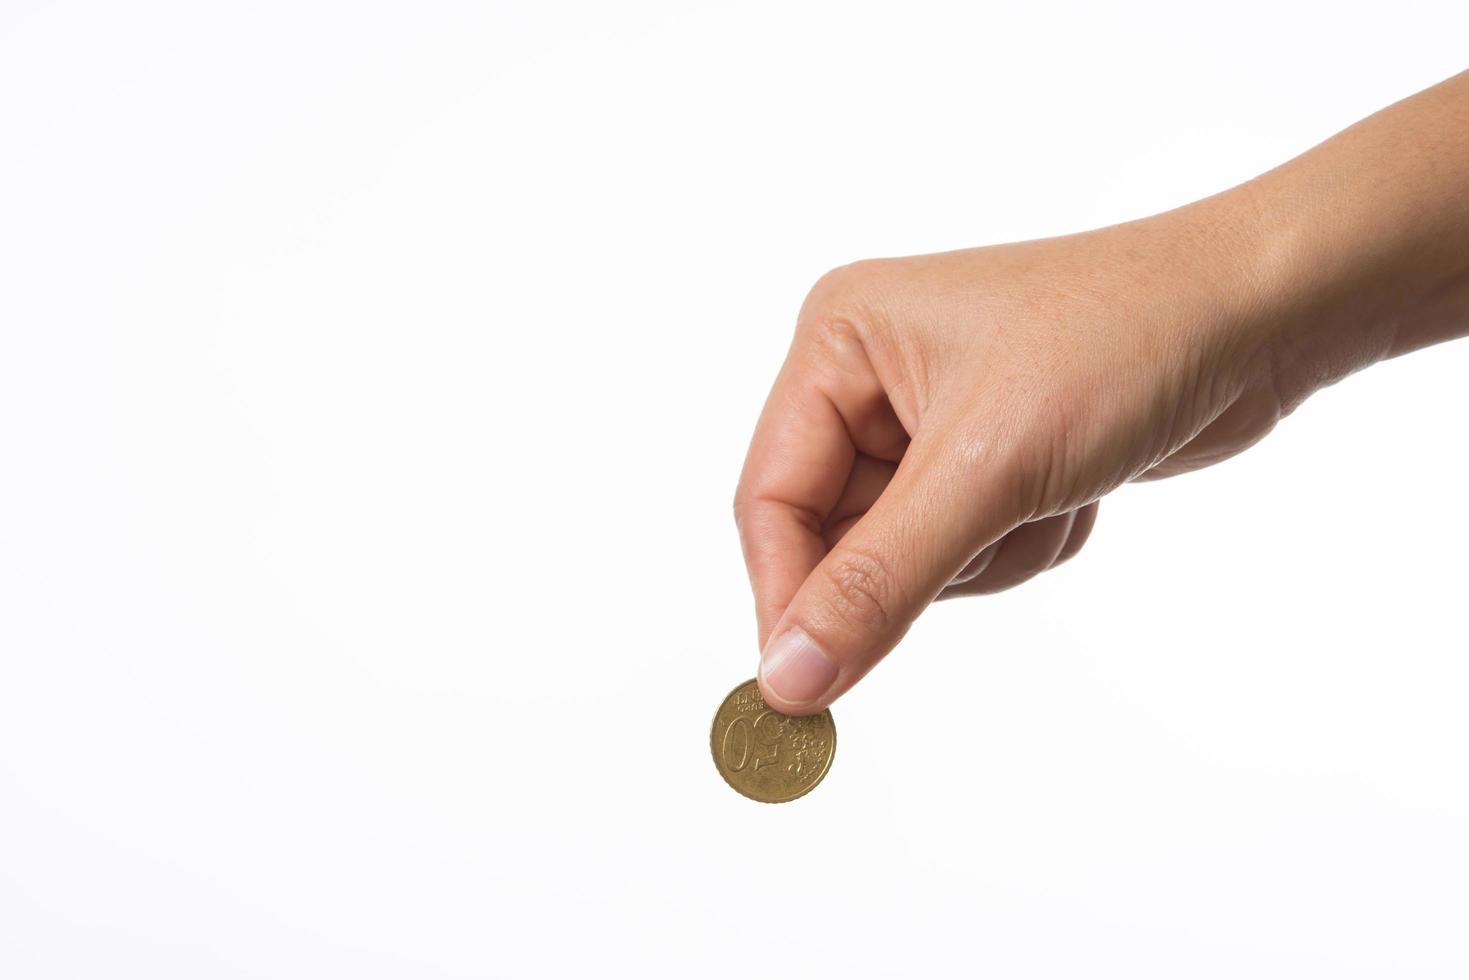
795 668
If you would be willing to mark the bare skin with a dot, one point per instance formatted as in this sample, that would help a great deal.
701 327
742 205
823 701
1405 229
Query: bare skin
945 425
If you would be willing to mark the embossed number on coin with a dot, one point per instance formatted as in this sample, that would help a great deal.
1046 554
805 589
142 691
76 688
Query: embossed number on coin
766 755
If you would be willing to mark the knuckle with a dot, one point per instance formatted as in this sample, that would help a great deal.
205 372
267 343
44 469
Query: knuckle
741 508
837 284
840 303
860 591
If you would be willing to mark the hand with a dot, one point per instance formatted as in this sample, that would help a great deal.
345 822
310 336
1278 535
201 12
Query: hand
944 426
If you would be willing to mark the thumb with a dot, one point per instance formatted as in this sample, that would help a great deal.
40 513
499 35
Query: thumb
858 602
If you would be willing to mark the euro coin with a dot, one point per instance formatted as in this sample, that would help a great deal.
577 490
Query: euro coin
768 756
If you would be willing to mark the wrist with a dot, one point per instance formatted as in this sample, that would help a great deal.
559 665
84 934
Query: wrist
1316 296
1359 249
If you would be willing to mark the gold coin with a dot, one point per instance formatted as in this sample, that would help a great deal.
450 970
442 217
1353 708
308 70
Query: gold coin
766 755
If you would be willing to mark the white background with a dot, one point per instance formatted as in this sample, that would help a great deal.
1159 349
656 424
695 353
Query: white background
374 379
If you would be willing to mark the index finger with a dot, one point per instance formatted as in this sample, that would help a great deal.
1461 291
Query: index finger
793 476
826 406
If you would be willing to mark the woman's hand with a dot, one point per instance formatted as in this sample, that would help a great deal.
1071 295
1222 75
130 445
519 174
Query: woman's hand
944 425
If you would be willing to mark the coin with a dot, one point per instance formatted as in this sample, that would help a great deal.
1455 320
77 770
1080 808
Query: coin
768 756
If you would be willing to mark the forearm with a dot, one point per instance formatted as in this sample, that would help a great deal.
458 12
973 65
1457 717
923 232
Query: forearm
1362 244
